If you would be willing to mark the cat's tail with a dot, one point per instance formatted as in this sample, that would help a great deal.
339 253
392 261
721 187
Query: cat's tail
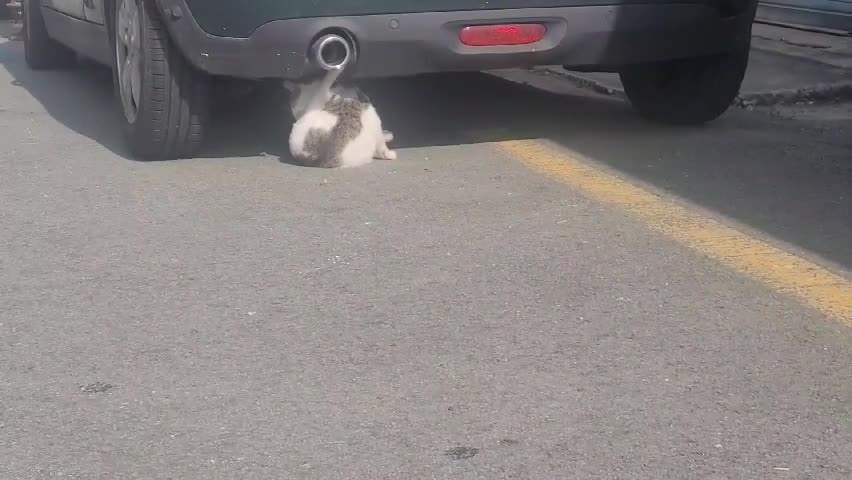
323 93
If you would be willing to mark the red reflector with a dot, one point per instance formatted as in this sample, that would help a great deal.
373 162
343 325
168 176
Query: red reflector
493 35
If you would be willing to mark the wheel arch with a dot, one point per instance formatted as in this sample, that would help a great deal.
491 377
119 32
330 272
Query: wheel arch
109 11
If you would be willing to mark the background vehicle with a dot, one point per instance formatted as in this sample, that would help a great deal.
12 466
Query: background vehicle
681 61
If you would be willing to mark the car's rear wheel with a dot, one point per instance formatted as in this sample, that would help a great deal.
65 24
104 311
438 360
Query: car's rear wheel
41 51
690 91
164 100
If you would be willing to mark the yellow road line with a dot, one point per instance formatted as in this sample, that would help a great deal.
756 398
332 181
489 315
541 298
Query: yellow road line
826 291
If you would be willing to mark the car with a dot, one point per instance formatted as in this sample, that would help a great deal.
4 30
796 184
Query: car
680 61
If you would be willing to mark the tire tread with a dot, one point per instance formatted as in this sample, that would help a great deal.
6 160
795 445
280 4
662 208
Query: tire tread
692 91
174 111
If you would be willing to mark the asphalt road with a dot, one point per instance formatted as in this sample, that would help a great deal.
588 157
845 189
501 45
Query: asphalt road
453 314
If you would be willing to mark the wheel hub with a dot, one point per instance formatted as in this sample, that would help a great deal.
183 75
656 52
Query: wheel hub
128 52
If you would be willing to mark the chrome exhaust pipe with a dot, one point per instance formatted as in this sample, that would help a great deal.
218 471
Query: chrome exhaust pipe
331 52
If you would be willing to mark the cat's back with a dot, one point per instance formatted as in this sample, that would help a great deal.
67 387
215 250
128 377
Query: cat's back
346 130
328 132
348 112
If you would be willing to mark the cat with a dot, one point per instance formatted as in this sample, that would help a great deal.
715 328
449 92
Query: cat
335 126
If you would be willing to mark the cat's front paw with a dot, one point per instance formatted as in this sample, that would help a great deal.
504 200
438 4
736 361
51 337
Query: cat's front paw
389 155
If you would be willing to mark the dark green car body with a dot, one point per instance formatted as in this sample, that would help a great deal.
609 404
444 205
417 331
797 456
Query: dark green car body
271 38
680 61
240 18
262 39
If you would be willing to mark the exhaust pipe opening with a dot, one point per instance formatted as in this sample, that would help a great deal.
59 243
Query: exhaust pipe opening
331 52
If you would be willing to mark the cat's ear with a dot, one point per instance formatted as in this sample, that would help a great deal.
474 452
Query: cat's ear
362 97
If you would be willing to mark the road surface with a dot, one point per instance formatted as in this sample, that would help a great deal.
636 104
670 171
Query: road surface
543 286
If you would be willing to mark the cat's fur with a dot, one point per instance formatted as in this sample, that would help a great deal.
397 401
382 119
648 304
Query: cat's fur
335 126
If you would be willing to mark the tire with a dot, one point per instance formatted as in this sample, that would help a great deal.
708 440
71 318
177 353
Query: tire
692 91
41 51
168 110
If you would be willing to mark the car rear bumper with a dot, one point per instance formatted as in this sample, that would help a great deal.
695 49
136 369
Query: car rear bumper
581 37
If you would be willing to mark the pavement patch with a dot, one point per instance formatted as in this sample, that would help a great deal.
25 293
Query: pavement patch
824 290
461 453
97 387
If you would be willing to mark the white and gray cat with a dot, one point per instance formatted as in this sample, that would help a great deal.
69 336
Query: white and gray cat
335 126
